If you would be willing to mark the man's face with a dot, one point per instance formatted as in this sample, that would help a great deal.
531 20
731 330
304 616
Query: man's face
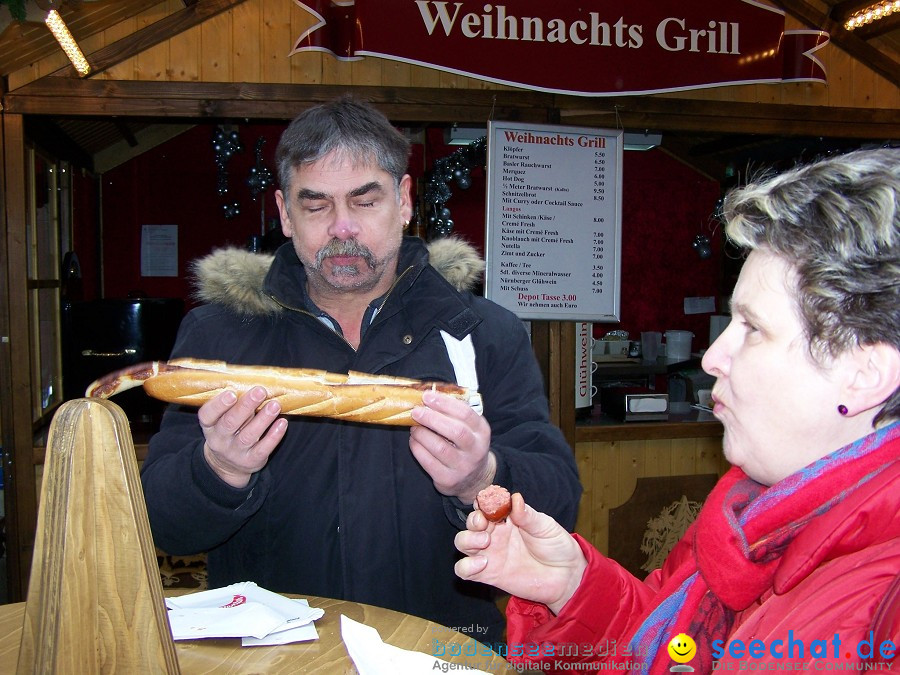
346 222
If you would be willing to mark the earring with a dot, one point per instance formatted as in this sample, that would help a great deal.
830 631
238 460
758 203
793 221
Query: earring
842 409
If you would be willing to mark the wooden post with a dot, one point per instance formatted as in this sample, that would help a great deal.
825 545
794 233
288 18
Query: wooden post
95 601
554 347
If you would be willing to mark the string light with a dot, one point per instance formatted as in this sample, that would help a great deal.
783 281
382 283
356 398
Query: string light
879 10
61 32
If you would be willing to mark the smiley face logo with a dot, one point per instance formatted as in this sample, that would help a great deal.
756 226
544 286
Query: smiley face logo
682 648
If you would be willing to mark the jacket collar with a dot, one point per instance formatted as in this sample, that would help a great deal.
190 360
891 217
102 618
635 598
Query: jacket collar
255 284
286 281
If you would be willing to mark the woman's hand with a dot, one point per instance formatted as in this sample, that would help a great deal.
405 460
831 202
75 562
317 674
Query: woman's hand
529 555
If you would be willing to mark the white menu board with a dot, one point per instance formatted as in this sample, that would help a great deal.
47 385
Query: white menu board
554 221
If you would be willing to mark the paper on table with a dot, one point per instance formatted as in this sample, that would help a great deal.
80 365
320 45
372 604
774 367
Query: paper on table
372 656
241 610
285 635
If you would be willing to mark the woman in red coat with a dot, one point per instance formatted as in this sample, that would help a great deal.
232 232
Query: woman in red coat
793 562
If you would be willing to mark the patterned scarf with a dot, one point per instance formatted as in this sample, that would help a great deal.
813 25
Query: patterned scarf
739 538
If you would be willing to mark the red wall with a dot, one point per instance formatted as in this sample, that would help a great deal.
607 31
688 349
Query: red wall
176 184
665 205
85 239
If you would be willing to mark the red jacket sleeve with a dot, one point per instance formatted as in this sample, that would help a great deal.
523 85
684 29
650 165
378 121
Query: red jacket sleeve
596 621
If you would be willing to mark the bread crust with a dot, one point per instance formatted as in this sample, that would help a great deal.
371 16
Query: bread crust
357 397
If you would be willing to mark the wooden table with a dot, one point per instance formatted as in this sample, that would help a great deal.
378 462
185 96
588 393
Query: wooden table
325 655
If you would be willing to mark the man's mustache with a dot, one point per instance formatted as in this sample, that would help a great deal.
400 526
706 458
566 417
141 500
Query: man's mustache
345 247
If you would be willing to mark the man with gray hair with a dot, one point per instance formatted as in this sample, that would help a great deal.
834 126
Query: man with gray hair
340 509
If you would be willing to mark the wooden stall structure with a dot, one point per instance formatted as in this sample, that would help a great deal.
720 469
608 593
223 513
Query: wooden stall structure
184 63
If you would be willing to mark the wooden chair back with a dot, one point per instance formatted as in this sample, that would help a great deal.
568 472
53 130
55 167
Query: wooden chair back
95 601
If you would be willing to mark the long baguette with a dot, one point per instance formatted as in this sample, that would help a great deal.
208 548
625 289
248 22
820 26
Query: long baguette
357 397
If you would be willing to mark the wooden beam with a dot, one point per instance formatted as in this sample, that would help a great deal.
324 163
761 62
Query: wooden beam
15 350
662 114
222 100
145 38
855 46
213 100
126 132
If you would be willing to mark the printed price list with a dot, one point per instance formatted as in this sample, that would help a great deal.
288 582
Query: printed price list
553 221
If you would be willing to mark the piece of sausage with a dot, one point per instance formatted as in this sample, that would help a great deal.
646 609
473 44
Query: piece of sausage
494 502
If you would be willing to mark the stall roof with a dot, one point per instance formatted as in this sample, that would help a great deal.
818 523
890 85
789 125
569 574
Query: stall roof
86 137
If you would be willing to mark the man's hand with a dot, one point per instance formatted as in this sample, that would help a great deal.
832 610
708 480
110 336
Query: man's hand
453 446
239 439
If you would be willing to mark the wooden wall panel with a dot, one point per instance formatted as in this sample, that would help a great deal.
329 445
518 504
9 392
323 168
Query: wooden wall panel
396 74
839 77
152 64
335 72
216 48
609 471
366 72
306 68
184 54
126 69
887 96
862 85
22 77
425 77
246 64
275 39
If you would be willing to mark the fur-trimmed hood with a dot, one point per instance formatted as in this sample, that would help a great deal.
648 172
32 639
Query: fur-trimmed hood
235 276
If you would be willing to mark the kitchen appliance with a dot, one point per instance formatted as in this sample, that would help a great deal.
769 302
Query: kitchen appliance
102 336
634 404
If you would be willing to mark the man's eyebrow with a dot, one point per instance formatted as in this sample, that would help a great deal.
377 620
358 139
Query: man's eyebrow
371 186
306 193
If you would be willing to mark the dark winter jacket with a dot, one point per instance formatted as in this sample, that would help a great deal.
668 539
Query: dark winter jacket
342 509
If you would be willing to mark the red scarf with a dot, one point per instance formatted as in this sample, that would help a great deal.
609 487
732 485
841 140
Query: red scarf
738 540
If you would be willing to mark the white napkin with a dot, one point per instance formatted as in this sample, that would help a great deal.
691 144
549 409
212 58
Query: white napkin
242 610
374 657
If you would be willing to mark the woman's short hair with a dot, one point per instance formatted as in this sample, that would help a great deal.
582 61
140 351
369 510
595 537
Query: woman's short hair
837 222
349 126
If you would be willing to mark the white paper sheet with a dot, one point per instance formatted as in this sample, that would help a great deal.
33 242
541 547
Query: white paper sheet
372 656
242 610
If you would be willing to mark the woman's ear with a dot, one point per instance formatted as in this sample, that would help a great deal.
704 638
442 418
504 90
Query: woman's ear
874 376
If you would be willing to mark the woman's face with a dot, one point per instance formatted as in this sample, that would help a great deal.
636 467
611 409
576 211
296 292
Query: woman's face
778 408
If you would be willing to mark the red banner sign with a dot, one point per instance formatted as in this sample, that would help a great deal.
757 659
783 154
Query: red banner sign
617 47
